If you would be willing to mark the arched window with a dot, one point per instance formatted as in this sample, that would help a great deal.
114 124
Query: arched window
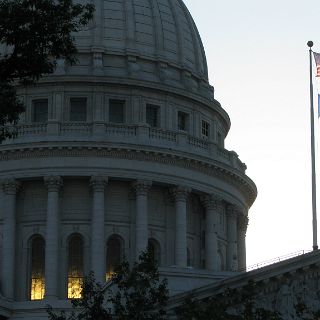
189 264
114 255
37 283
220 261
75 266
203 239
154 248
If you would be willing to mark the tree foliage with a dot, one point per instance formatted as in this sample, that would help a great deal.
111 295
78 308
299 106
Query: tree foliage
140 294
90 307
33 35
136 293
238 304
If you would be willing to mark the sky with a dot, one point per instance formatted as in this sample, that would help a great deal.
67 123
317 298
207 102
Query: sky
258 62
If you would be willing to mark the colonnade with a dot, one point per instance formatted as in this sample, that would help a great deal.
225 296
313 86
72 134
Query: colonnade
212 204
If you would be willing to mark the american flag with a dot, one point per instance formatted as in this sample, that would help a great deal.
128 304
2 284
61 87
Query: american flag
317 59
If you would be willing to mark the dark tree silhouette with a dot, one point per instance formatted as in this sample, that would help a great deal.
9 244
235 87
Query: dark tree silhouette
33 35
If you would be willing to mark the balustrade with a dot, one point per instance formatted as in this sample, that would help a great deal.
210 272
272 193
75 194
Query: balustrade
135 134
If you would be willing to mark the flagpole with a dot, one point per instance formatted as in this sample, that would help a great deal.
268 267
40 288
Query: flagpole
313 161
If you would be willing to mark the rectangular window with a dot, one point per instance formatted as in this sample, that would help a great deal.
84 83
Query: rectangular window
205 129
78 109
40 110
220 142
116 111
152 112
182 121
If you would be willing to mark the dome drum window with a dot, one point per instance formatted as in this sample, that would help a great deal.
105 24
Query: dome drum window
116 111
205 129
183 119
152 115
40 110
78 109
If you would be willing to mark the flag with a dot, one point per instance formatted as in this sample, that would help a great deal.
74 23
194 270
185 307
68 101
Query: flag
317 59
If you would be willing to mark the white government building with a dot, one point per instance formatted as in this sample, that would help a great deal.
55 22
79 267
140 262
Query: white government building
122 150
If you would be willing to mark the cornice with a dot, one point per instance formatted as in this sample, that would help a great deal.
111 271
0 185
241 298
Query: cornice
210 168
307 263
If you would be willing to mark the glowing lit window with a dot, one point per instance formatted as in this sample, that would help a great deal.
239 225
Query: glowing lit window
75 267
37 285
114 255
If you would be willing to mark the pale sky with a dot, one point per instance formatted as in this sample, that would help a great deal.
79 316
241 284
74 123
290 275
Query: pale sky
258 63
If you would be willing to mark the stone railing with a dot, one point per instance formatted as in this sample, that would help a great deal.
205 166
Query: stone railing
121 130
75 127
276 260
29 130
125 133
160 134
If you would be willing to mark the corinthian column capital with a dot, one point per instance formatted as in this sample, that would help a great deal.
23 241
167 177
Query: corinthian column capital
234 211
98 183
180 193
10 186
142 187
243 222
212 201
53 183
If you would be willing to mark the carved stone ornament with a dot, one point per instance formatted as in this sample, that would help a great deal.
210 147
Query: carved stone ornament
142 187
98 63
10 186
133 66
180 193
53 183
243 223
212 201
211 169
98 183
286 301
233 211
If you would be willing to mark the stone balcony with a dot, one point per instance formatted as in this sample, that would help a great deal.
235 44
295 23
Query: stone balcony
124 135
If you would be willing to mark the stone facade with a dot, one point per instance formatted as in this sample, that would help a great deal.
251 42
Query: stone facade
123 149
279 287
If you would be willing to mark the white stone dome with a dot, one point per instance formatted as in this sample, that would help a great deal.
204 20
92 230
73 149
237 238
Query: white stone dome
121 150
158 30
145 43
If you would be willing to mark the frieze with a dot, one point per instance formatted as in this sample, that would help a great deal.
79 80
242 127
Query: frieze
213 168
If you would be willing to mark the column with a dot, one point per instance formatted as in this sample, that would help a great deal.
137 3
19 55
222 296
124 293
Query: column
212 204
141 188
53 184
10 187
232 235
98 254
180 195
242 230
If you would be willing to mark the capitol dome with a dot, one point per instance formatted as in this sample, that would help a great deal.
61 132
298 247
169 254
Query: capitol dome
161 31
124 149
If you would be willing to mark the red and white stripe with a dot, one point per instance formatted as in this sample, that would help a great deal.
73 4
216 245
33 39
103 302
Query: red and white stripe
317 60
